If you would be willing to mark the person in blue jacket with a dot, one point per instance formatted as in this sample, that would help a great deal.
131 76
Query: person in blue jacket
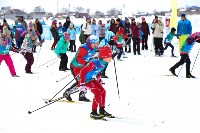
71 31
184 29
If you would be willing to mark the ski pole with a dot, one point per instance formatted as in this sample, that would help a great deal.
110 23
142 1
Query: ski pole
63 78
195 60
29 112
116 77
47 104
61 89
46 62
52 63
37 57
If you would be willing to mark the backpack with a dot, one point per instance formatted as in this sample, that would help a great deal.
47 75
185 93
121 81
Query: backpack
82 36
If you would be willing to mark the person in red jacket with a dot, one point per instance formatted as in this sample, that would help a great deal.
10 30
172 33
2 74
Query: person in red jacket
135 36
90 79
145 30
112 25
84 54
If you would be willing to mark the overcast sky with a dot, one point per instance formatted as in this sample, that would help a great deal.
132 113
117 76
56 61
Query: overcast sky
101 5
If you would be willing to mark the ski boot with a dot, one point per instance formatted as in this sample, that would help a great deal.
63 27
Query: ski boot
173 71
82 97
66 95
104 113
94 115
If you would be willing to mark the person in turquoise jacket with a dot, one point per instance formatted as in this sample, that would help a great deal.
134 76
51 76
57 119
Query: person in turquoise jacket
61 49
72 33
184 51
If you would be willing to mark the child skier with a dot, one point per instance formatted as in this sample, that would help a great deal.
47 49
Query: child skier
89 78
29 42
168 39
72 32
83 55
184 52
5 47
119 43
61 50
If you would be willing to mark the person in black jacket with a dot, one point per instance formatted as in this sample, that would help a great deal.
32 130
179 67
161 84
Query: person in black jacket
127 31
66 24
38 28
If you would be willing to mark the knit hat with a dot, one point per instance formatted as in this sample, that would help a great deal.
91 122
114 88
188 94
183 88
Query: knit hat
92 39
133 19
121 30
4 20
6 31
32 34
66 36
143 19
105 52
183 16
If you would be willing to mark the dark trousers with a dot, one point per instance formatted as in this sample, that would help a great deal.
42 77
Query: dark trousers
63 61
119 53
184 59
170 45
30 59
157 44
72 46
144 42
136 45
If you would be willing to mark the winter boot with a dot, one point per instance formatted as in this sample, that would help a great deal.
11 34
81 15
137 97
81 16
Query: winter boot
189 75
94 115
82 97
66 95
172 70
15 75
103 113
173 56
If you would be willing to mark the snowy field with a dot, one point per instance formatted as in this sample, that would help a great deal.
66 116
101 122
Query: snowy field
149 102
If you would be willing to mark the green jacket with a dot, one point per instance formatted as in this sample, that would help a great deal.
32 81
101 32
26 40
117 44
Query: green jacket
61 46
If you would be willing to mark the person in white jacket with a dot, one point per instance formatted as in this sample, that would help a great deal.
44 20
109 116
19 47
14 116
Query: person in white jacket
158 27
87 28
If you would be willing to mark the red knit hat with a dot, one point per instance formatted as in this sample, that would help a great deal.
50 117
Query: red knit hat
121 30
66 36
143 18
105 52
53 23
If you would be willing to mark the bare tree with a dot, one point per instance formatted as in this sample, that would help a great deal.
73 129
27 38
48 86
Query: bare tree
38 9
98 14
65 10
5 9
88 10
79 9
113 12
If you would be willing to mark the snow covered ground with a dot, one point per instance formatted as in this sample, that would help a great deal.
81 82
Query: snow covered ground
149 101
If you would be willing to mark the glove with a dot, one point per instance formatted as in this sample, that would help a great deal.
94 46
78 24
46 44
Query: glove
198 40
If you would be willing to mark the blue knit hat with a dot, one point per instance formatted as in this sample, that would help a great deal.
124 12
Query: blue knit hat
183 16
92 39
